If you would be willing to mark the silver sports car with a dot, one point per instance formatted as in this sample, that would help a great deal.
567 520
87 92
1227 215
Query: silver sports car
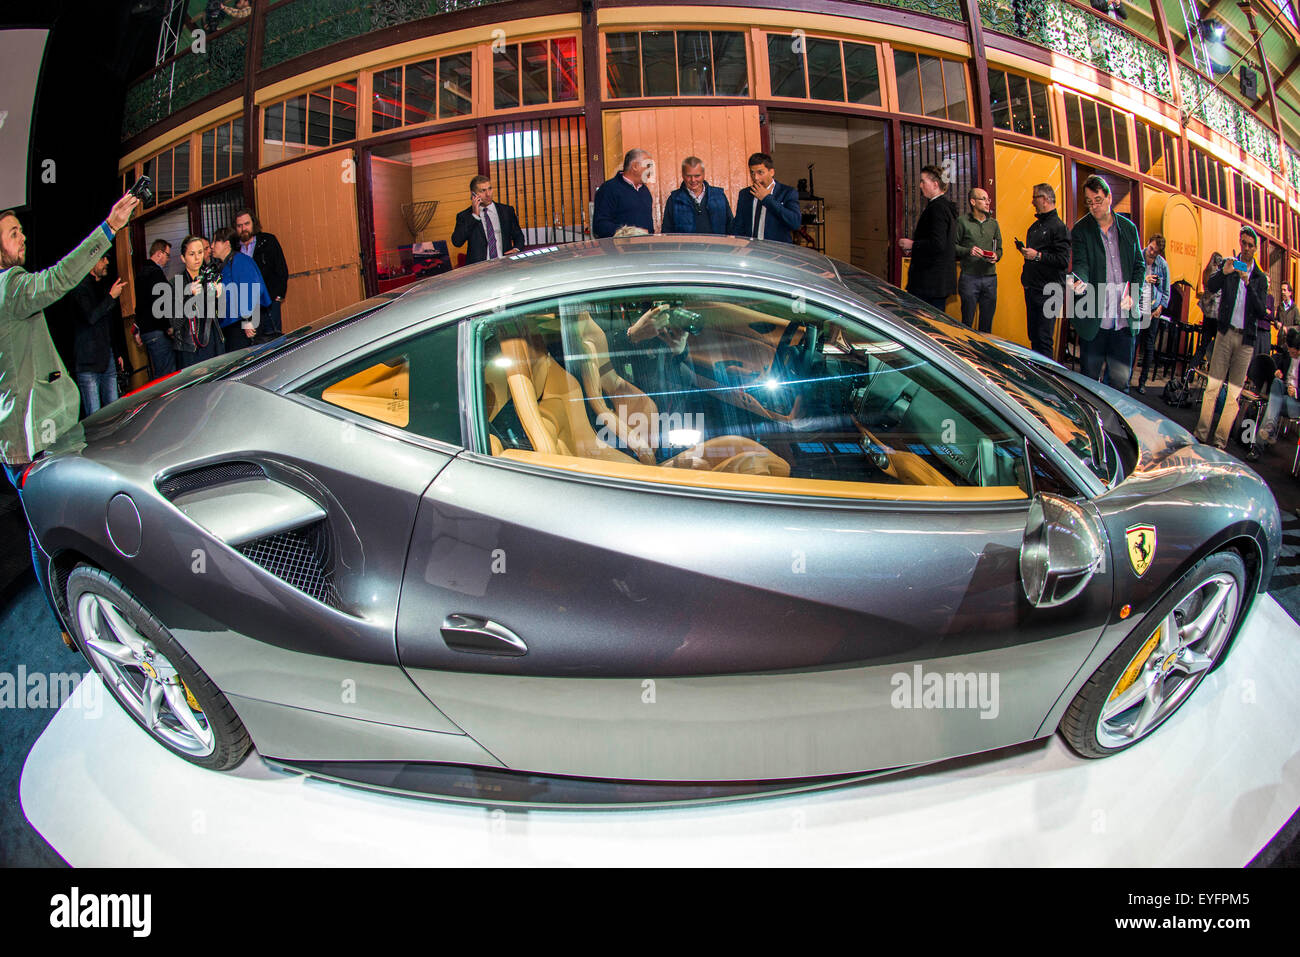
642 520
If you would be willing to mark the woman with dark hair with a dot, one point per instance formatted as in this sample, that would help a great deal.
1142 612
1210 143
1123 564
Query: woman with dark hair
197 328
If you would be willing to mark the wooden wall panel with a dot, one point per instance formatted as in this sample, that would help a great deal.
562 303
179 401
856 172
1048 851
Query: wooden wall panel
390 184
441 168
311 208
722 136
869 197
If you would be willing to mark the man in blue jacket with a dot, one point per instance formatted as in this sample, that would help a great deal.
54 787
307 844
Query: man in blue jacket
625 199
766 209
695 206
243 294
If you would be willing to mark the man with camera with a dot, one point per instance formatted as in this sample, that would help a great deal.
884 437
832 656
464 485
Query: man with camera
38 399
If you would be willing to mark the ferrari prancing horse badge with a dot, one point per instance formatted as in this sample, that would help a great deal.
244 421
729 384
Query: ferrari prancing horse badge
1141 547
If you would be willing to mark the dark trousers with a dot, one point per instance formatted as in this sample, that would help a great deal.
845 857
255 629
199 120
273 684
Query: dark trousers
162 357
1111 353
235 337
1040 326
939 302
1147 339
268 327
14 473
981 291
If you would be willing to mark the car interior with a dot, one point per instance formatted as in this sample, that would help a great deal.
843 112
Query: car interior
766 394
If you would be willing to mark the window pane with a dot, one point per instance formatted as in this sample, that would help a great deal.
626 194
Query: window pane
1144 155
1171 160
564 69
237 146
909 82
1107 132
998 99
659 63
181 169
457 93
622 65
932 87
411 386
163 176
694 67
825 77
421 92
954 76
1236 189
207 162
1042 112
730 64
1022 121
1223 186
273 124
785 66
295 120
861 74
387 111
948 440
318 119
344 121
1073 124
535 70
1122 150
222 151
505 77
1091 139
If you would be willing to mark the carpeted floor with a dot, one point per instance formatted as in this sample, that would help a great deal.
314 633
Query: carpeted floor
28 638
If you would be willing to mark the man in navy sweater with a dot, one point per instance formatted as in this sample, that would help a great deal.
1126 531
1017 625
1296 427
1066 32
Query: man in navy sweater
767 209
625 200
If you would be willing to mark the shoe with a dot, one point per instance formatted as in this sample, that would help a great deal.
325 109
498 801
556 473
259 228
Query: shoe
1141 390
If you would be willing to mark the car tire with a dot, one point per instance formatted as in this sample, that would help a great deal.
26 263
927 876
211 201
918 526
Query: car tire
1158 666
160 686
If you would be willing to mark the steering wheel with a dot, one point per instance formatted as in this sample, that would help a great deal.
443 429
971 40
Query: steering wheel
790 362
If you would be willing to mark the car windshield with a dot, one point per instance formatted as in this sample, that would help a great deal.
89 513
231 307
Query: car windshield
1045 397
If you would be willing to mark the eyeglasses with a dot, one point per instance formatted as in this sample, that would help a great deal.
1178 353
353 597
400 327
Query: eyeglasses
1094 203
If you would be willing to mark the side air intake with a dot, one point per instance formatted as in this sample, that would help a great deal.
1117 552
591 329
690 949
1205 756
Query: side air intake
302 557
195 479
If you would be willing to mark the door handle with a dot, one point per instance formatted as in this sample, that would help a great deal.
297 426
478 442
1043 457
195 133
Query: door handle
481 636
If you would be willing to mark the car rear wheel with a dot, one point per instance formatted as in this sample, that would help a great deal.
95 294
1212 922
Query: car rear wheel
149 673
1149 676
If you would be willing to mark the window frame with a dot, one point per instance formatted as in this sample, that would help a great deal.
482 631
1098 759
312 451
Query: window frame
306 95
489 97
943 58
992 402
877 48
606 95
1121 129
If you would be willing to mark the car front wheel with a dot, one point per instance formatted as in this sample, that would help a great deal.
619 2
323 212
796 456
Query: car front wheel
1149 676
149 673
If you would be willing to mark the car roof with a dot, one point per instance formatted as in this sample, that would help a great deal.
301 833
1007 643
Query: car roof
541 272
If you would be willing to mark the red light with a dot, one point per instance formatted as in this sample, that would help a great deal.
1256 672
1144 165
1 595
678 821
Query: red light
22 479
149 385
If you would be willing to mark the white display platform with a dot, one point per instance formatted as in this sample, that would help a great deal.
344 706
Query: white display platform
1210 787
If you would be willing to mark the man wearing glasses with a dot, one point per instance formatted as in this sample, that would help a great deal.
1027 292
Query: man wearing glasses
1241 308
1108 269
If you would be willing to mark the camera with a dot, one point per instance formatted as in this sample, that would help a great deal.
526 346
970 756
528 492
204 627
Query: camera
142 190
682 319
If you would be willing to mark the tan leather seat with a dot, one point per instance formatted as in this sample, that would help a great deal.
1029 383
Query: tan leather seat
611 397
550 405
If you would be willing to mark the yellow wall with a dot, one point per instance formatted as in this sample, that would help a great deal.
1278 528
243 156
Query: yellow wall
1018 169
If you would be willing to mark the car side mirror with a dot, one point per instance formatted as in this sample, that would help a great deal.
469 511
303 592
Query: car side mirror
1063 546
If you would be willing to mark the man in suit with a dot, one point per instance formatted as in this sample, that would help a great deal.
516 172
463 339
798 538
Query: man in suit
491 229
269 257
766 209
1241 307
695 206
1109 268
932 277
155 330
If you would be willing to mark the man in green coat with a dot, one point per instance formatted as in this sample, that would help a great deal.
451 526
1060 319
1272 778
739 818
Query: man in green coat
1109 268
39 400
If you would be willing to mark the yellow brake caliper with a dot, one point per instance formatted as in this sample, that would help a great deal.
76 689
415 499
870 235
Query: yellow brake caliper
189 697
1135 666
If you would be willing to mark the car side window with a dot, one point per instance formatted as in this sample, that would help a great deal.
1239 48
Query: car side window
734 389
412 385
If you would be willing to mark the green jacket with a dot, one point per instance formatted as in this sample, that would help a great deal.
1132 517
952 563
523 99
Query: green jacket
1090 266
985 235
35 411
